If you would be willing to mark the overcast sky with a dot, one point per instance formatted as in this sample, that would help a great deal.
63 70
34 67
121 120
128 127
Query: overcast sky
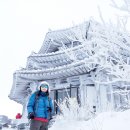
23 25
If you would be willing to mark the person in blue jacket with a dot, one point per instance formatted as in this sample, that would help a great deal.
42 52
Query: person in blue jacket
40 108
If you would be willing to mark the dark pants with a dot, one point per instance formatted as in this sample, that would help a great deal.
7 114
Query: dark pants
38 125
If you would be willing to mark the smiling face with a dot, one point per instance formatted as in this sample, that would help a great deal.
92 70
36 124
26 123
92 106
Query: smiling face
44 87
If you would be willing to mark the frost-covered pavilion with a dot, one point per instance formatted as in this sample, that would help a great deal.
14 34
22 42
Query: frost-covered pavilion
62 61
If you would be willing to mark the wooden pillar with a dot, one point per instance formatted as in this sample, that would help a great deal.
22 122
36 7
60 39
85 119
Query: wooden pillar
91 96
103 97
98 99
112 96
83 95
87 92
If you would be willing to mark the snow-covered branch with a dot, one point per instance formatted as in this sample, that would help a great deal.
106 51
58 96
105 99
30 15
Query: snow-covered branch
124 7
71 110
108 49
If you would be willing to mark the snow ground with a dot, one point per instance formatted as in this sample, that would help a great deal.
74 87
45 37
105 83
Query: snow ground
104 121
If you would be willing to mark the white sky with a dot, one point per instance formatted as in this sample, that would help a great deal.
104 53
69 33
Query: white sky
23 25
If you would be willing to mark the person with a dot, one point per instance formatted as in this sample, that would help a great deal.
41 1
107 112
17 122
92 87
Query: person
40 107
18 116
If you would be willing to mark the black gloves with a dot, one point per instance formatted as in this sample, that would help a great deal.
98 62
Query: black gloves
49 109
31 115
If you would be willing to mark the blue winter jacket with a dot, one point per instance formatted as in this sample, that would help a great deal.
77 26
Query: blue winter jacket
39 105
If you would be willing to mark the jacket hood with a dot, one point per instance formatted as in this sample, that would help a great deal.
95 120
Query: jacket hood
43 82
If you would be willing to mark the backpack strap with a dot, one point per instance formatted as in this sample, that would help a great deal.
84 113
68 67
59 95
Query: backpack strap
50 113
49 101
36 99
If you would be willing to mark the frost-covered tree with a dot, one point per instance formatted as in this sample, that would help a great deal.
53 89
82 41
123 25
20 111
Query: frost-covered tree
70 109
106 48
123 6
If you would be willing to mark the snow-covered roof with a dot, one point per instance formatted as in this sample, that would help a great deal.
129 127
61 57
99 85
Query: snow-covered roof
48 56
23 78
60 64
55 59
50 63
55 39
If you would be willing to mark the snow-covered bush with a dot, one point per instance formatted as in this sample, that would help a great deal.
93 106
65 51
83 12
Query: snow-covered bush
70 109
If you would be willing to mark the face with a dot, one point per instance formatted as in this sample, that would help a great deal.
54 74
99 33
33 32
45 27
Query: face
44 88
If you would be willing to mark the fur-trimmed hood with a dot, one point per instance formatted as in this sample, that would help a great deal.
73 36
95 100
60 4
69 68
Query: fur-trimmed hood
43 82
